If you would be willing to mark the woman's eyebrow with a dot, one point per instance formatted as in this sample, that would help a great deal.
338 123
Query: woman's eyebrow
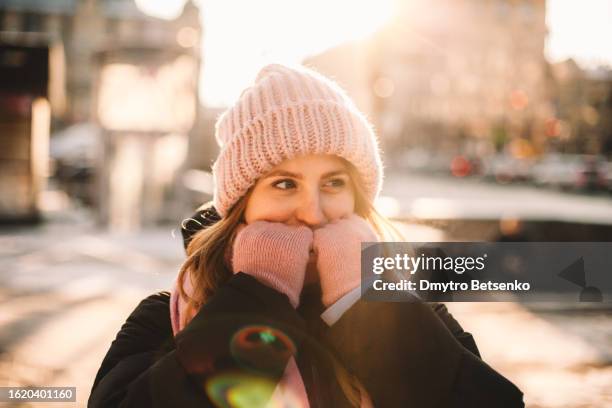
286 173
334 173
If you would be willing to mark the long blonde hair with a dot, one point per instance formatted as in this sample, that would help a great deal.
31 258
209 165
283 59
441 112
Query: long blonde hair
206 261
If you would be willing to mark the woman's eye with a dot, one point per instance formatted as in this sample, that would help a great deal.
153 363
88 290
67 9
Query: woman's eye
284 184
336 182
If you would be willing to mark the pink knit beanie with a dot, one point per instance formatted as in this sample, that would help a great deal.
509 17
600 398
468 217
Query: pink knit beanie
289 112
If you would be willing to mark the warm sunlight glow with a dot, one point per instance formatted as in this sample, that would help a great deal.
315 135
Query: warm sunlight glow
160 99
166 9
242 36
581 30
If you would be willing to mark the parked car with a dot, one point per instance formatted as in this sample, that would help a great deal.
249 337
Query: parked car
73 152
570 172
504 168
423 161
607 175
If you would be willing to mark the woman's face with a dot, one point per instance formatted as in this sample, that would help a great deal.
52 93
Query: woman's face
310 190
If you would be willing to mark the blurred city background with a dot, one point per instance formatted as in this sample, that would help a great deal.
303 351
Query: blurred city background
495 121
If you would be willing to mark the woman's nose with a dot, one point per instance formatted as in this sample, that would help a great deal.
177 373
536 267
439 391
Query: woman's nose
310 211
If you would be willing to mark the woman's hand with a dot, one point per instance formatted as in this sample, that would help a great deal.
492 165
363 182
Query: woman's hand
338 249
274 253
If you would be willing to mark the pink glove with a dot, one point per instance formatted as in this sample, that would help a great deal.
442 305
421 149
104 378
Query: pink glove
274 253
338 249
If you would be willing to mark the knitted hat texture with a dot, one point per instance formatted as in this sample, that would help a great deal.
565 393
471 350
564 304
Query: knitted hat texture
289 112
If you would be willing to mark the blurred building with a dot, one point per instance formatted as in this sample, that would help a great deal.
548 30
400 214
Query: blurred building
86 26
28 86
134 78
454 75
583 109
351 66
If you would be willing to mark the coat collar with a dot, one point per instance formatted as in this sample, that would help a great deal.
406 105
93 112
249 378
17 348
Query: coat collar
204 217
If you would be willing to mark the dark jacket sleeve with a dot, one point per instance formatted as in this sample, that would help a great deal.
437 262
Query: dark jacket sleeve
142 352
226 332
146 367
405 355
463 337
146 332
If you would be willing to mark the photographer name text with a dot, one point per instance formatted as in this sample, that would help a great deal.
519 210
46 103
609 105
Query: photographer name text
474 285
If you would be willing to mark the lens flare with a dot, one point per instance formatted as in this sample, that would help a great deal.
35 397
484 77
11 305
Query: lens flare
234 389
262 348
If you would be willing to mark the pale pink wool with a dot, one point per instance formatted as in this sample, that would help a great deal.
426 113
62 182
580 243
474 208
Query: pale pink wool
288 112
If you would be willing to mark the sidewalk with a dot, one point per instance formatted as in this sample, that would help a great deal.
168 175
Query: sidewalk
558 358
66 290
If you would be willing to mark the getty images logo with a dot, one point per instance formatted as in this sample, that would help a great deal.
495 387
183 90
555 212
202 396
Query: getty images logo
576 274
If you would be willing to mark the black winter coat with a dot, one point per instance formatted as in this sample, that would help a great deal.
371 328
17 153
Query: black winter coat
408 354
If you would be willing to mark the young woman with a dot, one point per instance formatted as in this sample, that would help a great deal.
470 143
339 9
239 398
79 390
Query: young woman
266 309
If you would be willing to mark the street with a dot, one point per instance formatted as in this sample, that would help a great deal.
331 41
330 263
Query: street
429 196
